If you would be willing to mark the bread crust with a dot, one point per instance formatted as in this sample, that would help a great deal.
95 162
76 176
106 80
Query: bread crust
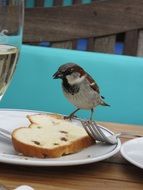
37 151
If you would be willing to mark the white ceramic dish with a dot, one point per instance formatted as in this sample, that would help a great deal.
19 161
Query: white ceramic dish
11 119
132 151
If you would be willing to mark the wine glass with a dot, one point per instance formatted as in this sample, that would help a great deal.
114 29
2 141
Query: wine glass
11 29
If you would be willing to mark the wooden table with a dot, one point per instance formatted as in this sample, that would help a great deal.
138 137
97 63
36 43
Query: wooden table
110 174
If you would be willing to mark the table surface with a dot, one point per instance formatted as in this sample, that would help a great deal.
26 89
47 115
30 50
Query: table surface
110 174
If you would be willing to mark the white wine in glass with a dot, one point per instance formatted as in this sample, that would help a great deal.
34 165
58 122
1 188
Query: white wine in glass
11 30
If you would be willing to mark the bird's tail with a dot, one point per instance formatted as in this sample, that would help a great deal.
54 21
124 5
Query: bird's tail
104 104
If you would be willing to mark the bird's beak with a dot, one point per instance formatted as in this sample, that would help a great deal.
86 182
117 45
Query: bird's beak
58 75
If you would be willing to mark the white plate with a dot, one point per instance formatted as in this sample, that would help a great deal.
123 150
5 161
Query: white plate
132 151
11 119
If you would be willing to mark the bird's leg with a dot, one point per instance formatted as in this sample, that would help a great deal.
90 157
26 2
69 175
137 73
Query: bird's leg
92 110
72 114
90 120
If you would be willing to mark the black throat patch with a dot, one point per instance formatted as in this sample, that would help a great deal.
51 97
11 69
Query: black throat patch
72 89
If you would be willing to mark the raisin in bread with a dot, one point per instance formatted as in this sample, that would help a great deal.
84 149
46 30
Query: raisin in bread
50 136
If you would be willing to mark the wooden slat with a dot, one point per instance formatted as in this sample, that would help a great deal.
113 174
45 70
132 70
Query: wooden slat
131 43
140 44
57 2
39 3
72 44
105 44
91 40
68 44
90 45
76 1
67 23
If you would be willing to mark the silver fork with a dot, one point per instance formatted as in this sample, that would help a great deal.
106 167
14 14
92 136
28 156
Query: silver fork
96 132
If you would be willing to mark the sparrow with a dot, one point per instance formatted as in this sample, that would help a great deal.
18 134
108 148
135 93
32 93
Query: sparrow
79 88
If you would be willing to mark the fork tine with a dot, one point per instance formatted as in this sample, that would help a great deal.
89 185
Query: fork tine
95 130
92 131
101 132
102 135
84 124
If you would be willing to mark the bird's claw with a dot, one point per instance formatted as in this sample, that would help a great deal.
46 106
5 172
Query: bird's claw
70 117
88 121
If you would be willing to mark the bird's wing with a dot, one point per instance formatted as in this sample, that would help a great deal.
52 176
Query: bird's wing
93 84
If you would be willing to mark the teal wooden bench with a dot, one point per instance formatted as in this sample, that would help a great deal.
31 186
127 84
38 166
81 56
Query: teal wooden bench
120 79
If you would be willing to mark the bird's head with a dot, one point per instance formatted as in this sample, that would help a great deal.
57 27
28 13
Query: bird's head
71 72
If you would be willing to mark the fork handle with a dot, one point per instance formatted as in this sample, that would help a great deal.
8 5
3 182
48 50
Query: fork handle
7 136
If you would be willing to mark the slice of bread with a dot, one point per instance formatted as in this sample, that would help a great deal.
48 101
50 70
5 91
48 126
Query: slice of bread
50 136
